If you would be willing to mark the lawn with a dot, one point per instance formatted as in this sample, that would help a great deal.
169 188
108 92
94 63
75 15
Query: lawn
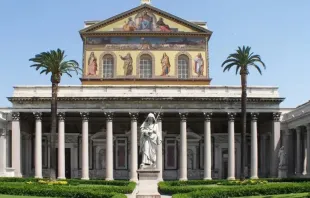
297 195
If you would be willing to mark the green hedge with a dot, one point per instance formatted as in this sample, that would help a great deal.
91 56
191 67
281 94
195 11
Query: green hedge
70 181
63 190
268 189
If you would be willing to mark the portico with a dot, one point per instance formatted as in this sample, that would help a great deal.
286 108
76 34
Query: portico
98 136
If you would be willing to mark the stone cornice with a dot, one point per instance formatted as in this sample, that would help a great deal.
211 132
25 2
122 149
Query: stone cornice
210 99
119 33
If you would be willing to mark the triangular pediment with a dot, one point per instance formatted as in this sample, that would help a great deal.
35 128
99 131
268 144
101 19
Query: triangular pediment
146 19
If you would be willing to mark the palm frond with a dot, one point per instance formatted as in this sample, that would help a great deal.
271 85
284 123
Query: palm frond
53 62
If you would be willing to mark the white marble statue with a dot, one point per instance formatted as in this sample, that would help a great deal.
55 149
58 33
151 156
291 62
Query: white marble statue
282 158
149 140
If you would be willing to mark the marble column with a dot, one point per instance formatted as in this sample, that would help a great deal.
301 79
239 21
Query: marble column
308 153
61 146
231 146
254 147
16 143
159 156
109 146
207 147
298 151
275 144
3 151
304 172
287 143
85 150
38 145
183 150
134 147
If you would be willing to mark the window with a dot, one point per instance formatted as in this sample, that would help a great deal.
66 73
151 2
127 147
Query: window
170 154
145 66
183 66
121 154
108 66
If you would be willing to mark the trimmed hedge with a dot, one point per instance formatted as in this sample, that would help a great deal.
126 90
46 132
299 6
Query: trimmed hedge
62 190
268 189
70 181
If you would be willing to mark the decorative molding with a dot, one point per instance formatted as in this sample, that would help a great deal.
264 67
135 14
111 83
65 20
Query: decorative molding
138 63
254 116
61 116
101 63
276 116
231 116
15 116
84 115
207 116
109 116
37 115
183 116
207 99
134 116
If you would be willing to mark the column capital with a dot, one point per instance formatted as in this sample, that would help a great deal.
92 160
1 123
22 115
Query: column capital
231 116
134 116
183 116
254 116
37 115
298 129
276 116
109 115
207 116
61 116
15 116
159 116
84 115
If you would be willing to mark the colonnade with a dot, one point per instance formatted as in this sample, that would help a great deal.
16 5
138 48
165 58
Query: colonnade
298 152
16 155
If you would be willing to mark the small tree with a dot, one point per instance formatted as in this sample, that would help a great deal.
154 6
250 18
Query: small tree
242 59
53 62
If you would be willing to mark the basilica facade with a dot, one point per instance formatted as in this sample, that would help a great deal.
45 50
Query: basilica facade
140 61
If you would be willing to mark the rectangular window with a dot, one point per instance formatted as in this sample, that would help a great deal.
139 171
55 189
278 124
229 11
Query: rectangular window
170 154
121 154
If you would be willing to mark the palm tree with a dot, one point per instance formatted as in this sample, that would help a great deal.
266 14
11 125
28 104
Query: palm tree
242 59
52 62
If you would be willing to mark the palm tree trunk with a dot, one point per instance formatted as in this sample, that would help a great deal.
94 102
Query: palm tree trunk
243 122
53 132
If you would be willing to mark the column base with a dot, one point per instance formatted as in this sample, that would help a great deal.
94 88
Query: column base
109 179
254 177
61 178
134 180
207 178
183 179
38 177
231 178
85 178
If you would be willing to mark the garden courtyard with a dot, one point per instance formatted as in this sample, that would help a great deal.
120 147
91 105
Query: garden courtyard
261 188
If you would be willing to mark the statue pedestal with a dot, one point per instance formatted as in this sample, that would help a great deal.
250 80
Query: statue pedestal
282 172
147 184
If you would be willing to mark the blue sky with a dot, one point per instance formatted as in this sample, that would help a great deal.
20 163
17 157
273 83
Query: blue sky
278 30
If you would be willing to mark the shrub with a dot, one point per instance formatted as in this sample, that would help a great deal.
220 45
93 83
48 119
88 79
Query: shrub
244 182
62 190
268 189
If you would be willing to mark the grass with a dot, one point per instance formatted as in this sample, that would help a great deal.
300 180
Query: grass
297 195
